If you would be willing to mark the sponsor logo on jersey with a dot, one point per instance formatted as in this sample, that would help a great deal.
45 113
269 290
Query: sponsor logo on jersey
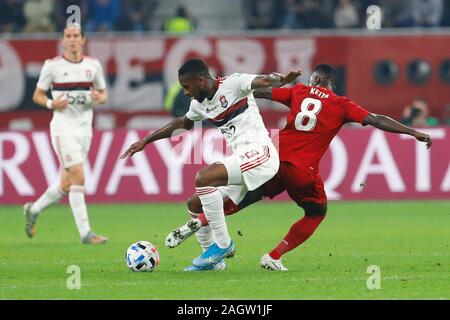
223 101
208 110
228 131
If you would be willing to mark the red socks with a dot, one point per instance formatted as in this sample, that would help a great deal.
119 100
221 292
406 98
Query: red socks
299 232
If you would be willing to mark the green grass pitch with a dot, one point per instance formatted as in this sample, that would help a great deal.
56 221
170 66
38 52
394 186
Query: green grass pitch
409 241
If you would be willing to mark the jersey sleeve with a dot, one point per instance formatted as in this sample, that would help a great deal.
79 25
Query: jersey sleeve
46 77
242 82
282 95
193 114
99 77
354 112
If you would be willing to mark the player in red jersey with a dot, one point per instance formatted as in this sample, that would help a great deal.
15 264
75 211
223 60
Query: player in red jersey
316 116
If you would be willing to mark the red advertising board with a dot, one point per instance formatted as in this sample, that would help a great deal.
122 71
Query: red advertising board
141 69
361 164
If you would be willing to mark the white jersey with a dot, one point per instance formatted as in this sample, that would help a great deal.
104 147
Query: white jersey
75 81
234 112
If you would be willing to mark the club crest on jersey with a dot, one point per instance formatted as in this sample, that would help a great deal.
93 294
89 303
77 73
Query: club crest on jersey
223 101
88 74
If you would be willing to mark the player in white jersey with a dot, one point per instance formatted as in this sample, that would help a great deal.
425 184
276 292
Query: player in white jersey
77 84
229 104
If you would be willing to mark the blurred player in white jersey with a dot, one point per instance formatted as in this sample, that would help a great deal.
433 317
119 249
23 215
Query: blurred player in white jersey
77 84
229 104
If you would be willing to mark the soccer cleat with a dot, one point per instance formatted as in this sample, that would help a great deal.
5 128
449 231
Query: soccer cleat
30 220
213 255
221 266
267 262
179 235
92 238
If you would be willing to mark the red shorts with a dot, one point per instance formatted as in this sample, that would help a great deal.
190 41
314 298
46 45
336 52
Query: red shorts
303 184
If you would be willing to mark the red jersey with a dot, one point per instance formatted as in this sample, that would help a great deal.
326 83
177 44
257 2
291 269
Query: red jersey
316 116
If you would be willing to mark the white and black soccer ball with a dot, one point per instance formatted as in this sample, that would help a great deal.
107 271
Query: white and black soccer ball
142 256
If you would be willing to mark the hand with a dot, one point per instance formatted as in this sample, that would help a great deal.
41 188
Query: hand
135 147
60 103
291 76
96 96
423 137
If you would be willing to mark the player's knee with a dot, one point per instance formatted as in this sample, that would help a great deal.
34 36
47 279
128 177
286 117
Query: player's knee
77 180
194 204
315 209
76 175
65 186
322 210
202 179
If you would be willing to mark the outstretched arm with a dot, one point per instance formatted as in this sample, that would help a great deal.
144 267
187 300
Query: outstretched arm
278 80
387 124
165 132
263 93
275 80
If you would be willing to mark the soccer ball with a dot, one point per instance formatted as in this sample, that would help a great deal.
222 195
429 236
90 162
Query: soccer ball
142 256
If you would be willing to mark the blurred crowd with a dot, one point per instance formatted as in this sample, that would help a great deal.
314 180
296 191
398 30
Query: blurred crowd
96 15
308 14
139 15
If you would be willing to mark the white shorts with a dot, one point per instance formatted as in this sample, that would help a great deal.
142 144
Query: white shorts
248 170
71 149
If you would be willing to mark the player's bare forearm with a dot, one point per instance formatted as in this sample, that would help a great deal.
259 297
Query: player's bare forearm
101 96
275 80
40 97
59 104
165 132
263 93
387 124
390 125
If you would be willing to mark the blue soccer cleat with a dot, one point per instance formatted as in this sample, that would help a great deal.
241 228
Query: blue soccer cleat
221 266
213 255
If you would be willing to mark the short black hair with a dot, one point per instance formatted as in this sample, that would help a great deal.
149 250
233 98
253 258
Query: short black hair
327 72
193 67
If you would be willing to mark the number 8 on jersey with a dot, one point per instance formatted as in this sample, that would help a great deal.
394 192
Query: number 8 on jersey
307 113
